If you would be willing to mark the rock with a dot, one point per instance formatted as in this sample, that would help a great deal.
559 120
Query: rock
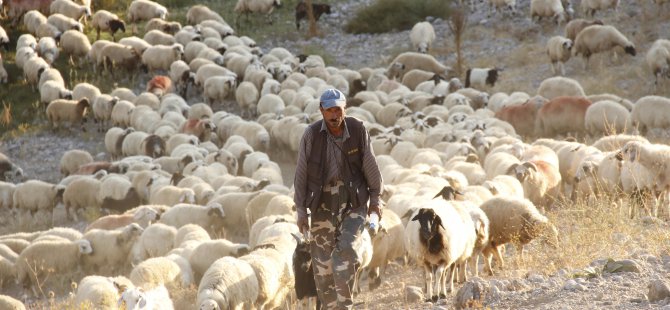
536 278
517 285
626 265
472 294
413 294
572 285
658 290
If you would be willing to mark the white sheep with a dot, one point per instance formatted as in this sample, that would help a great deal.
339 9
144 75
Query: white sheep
548 8
227 284
270 103
600 38
53 90
161 57
155 241
209 217
64 23
104 20
75 44
47 49
144 10
208 251
34 195
559 51
649 112
218 88
45 257
157 37
99 292
504 185
255 6
658 59
138 44
70 9
72 159
7 302
121 113
591 6
32 68
32 20
514 220
422 36
48 30
111 260
385 246
606 117
158 271
118 56
560 86
81 193
172 195
407 61
199 13
155 298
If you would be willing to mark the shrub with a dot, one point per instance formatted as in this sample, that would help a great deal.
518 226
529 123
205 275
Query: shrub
395 15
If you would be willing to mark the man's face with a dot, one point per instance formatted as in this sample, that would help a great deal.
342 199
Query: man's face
333 117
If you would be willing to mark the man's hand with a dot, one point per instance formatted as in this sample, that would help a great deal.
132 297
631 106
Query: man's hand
303 223
376 209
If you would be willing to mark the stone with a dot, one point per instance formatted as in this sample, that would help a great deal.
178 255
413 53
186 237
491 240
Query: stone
658 290
536 278
472 294
626 265
572 285
413 294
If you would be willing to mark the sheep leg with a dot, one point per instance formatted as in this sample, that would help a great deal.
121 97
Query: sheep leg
498 256
428 282
474 265
462 272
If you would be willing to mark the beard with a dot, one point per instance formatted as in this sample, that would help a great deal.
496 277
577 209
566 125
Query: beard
335 122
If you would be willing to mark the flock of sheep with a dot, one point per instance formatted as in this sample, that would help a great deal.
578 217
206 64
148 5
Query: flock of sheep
193 199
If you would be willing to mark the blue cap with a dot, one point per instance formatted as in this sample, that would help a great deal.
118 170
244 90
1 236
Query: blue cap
332 98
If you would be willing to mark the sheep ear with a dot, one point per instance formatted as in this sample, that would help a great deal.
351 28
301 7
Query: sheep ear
511 168
530 165
120 288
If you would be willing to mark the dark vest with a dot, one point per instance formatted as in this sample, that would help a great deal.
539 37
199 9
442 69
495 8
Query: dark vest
354 179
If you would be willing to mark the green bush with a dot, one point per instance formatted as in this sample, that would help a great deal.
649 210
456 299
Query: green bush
395 15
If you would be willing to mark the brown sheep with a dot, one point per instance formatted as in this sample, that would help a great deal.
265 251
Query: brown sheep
153 146
573 28
522 117
562 115
201 128
318 9
159 85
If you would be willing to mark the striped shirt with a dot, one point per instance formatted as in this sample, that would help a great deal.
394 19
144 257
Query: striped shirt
335 165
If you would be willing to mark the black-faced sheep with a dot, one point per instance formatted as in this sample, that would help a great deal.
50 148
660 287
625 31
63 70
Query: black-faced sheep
301 11
106 21
478 78
597 39
255 6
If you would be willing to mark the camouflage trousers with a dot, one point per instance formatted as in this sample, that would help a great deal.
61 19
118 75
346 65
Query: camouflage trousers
336 230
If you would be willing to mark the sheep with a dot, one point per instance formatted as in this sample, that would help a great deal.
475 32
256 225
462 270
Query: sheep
514 220
616 142
504 185
34 195
606 117
117 56
255 134
438 236
53 90
137 298
8 170
75 44
64 23
48 30
540 181
114 140
560 86
6 195
649 113
70 9
228 283
478 78
562 115
318 9
172 195
502 4
548 8
32 20
407 61
9 303
209 217
255 6
144 10
104 20
559 51
155 241
144 216
600 38
385 248
99 292
162 25
201 128
207 252
161 57
575 26
33 67
218 88
157 37
199 13
118 195
422 36
47 49
658 59
158 271
591 6
72 160
45 257
137 44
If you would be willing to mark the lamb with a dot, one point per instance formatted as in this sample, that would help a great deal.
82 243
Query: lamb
97 292
154 298
514 220
207 252
199 13
649 113
385 247
658 59
70 9
49 257
548 8
559 51
72 160
422 36
144 10
34 195
318 9
255 6
478 78
606 117
562 115
171 195
408 61
155 241
600 38
106 21
574 27
591 6
560 86
64 23
144 216
209 217
228 283
438 236
161 57
540 180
